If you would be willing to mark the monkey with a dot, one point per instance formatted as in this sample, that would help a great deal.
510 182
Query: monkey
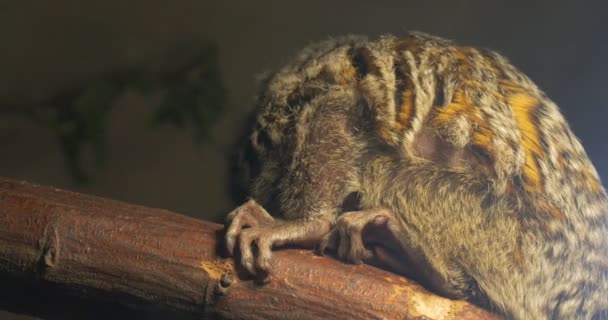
467 174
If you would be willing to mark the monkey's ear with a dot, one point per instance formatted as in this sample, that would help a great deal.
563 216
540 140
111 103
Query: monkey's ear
429 145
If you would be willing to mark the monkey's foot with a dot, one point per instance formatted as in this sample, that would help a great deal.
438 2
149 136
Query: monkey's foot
255 232
367 236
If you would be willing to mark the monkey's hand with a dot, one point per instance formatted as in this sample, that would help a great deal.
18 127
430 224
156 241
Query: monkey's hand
370 236
252 230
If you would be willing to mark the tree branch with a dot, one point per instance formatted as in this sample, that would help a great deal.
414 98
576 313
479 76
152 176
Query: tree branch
64 254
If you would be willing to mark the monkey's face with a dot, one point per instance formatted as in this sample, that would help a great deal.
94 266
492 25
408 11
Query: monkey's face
293 108
261 163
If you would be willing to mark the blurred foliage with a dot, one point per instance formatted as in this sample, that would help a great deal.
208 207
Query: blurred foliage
187 80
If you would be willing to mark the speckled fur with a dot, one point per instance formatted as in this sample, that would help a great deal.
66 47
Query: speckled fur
489 183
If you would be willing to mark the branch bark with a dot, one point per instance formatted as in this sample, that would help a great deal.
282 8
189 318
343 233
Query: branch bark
64 254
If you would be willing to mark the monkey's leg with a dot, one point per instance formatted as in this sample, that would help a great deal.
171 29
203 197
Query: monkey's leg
255 232
460 232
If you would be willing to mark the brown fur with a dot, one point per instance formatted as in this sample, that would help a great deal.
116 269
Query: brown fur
494 196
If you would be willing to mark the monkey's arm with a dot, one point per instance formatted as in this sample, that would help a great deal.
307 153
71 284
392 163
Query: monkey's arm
256 232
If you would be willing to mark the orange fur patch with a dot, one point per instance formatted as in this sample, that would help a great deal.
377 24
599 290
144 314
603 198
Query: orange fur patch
523 106
481 135
472 83
406 110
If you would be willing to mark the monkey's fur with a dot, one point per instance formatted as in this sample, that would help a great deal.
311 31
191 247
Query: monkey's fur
488 194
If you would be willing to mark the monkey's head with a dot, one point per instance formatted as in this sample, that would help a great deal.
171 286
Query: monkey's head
288 101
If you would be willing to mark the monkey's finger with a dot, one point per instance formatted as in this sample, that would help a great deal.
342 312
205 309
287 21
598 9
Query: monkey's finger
264 255
240 218
350 247
245 240
343 243
231 215
328 243
357 251
231 235
236 222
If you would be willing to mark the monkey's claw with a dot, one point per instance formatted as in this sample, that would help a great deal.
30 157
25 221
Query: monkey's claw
249 226
255 232
356 233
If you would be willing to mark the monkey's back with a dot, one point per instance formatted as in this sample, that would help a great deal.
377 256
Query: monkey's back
436 103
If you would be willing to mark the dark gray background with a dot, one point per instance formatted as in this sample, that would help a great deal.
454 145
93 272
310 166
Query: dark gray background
48 45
